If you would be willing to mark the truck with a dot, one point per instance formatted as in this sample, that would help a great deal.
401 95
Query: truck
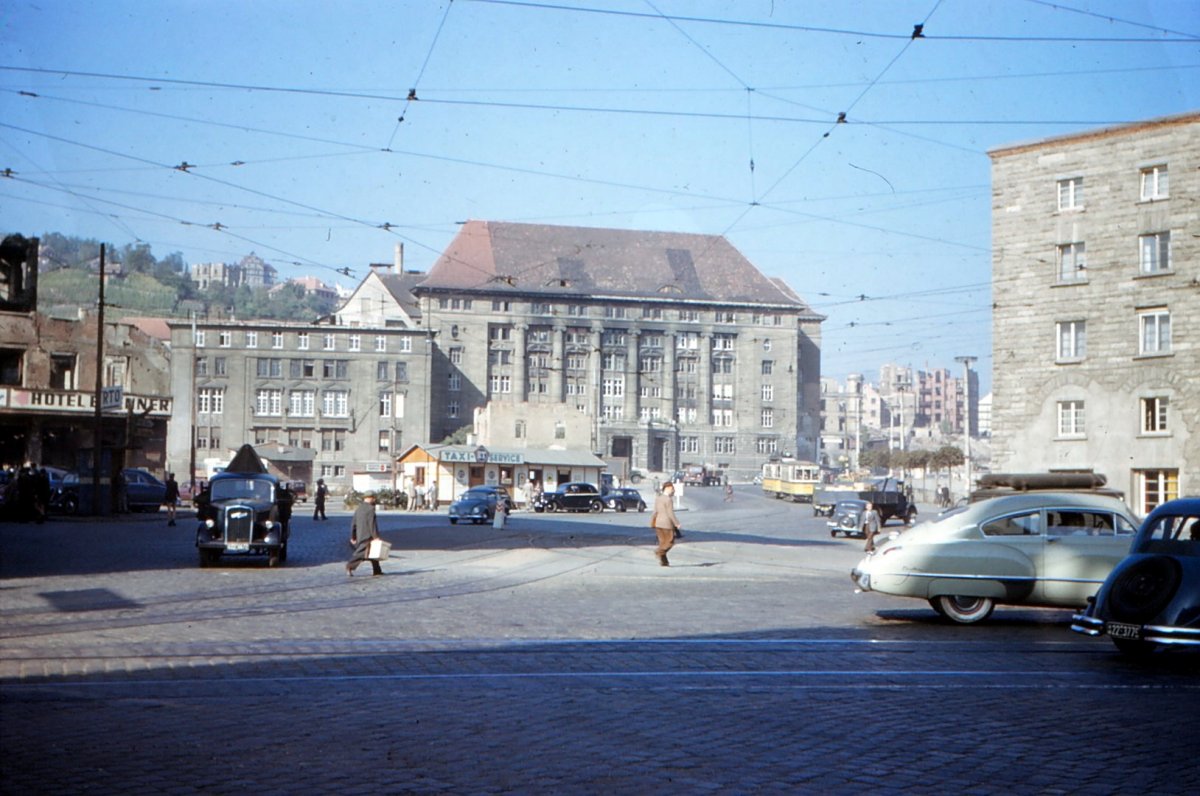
891 497
701 475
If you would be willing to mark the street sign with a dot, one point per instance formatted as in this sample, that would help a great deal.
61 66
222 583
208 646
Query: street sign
111 398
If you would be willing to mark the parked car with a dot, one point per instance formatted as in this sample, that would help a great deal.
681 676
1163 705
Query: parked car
189 490
477 504
1042 549
571 496
846 517
623 499
1152 597
243 511
143 492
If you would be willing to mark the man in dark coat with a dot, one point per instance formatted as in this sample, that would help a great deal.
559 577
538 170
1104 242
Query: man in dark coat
319 500
171 497
363 528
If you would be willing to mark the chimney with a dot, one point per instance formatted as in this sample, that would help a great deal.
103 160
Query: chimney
398 265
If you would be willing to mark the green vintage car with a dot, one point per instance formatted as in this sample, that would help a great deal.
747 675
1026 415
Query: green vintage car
1049 549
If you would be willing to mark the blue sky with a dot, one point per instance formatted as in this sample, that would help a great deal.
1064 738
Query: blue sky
714 116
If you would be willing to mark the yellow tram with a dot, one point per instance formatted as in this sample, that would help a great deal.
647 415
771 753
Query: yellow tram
791 478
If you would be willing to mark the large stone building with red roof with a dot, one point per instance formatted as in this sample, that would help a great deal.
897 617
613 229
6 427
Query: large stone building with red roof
676 347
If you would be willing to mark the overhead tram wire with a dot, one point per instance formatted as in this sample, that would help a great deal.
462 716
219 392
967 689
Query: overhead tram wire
412 92
831 31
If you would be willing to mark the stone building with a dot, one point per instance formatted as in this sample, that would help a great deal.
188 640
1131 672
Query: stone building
48 394
1097 291
333 401
674 346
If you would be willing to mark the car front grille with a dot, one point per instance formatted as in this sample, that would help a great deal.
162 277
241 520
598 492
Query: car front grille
239 523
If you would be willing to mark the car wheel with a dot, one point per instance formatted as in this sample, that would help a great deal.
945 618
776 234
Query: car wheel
963 610
910 518
273 558
641 507
209 557
70 504
1143 589
551 507
595 506
454 520
619 506
283 553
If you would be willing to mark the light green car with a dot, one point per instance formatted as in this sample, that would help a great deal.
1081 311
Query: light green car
1049 549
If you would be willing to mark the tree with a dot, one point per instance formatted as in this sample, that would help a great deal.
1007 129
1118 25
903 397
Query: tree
946 457
875 458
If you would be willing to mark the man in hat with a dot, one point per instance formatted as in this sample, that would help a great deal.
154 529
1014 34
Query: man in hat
664 522
363 528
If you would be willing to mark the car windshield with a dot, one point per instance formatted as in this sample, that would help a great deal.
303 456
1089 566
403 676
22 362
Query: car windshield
849 505
242 489
477 494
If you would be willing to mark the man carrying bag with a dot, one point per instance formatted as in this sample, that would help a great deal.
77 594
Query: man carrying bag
363 530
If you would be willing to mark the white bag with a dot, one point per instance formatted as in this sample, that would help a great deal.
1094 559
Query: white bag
379 550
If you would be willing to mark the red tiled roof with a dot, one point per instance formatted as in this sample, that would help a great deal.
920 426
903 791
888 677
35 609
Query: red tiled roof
584 261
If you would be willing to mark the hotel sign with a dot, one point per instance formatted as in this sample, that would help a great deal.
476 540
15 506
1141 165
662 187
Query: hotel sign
68 401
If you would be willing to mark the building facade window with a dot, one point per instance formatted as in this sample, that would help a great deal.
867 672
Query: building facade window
1155 253
455 382
766 445
380 342
1070 193
1154 414
1155 487
501 384
302 403
302 341
268 403
225 338
1155 332
767 418
385 404
689 444
251 339
768 393
382 371
355 343
276 339
210 400
725 445
1070 419
768 367
1154 182
1072 262
335 403
1072 340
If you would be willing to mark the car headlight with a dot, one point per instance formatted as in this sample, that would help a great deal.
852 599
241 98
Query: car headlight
210 523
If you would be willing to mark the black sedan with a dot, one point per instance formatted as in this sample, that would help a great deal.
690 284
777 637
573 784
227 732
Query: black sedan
846 518
477 504
1152 598
572 496
624 499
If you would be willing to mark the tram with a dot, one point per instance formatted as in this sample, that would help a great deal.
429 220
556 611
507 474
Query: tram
791 478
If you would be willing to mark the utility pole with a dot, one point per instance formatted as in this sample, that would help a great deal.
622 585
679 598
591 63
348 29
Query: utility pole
98 419
966 363
192 404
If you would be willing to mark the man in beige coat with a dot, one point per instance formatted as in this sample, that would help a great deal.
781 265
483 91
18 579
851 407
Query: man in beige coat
664 522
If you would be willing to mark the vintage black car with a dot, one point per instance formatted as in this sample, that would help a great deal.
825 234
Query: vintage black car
624 499
846 518
477 504
571 496
244 510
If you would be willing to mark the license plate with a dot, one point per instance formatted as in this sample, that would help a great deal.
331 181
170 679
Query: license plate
1122 630
237 547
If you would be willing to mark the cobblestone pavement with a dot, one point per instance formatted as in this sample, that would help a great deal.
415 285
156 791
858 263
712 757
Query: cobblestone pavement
552 657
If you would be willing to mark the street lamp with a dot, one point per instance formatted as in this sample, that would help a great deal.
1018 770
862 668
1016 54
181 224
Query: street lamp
966 363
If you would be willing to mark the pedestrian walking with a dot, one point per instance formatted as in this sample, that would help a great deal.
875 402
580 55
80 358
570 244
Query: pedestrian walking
870 526
41 494
171 497
664 522
728 492
411 492
501 515
319 500
363 528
